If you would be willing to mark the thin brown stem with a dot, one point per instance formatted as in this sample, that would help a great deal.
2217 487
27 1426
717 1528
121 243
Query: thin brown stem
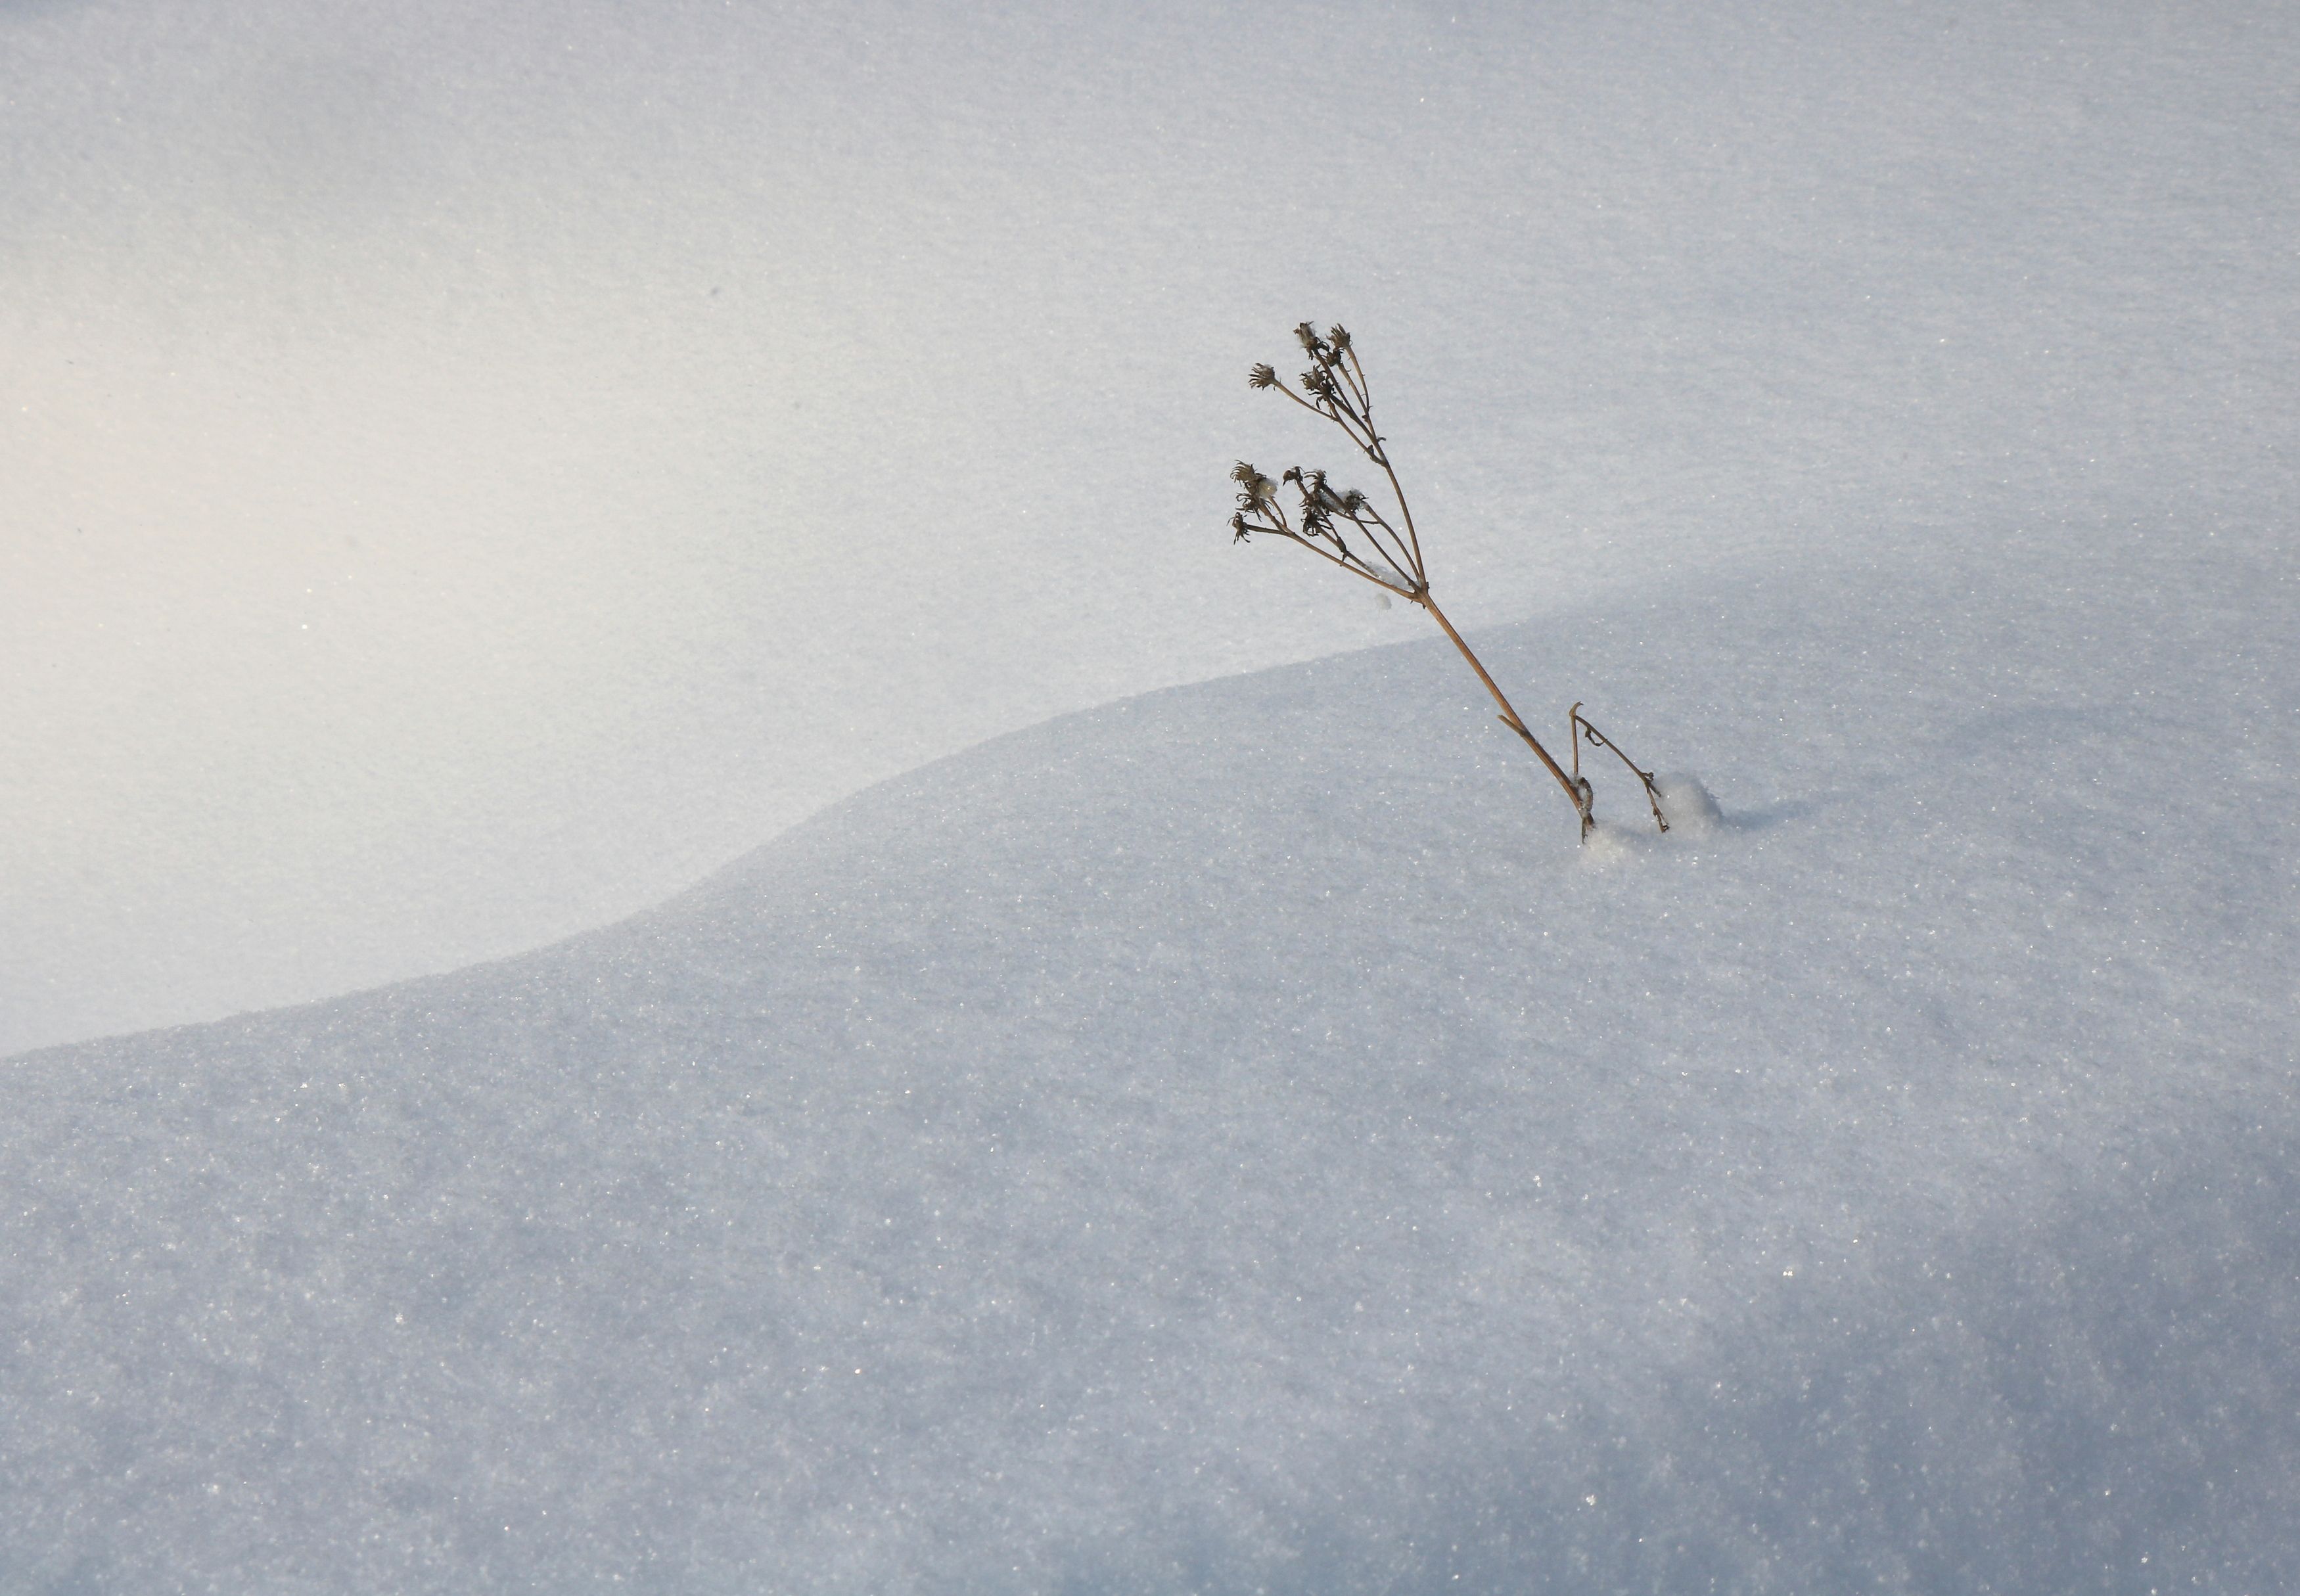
1374 451
1351 424
1406 579
1365 390
1370 445
1369 521
1355 567
1339 551
1362 420
1281 389
1406 511
1573 795
1276 525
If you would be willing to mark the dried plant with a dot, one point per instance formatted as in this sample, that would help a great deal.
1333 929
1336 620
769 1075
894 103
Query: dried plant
1344 528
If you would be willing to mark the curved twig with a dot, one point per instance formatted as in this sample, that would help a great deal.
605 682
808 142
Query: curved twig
1580 725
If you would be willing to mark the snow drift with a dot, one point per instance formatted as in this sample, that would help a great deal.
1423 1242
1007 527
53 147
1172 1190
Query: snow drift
1234 1141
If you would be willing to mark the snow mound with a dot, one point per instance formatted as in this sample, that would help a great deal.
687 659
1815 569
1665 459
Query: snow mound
1692 814
1225 1143
1685 803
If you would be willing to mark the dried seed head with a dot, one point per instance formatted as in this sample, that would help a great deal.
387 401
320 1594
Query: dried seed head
1307 335
1239 528
1353 501
1338 336
1261 376
1257 489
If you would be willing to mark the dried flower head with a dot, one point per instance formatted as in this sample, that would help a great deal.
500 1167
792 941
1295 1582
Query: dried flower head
1338 336
1261 376
1257 489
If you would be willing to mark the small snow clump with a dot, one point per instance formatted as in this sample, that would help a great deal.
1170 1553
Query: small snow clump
1690 808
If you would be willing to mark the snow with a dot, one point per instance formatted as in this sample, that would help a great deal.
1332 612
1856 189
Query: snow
1233 1140
471 474
1071 1056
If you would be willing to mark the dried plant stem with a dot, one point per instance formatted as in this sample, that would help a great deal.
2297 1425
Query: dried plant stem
1342 527
1577 792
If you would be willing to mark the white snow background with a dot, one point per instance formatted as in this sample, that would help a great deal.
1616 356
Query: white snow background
1229 1138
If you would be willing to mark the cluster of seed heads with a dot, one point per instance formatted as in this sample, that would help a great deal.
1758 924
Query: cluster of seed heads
1384 553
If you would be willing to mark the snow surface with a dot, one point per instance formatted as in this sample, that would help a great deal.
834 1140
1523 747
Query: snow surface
472 472
1232 1140
467 472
